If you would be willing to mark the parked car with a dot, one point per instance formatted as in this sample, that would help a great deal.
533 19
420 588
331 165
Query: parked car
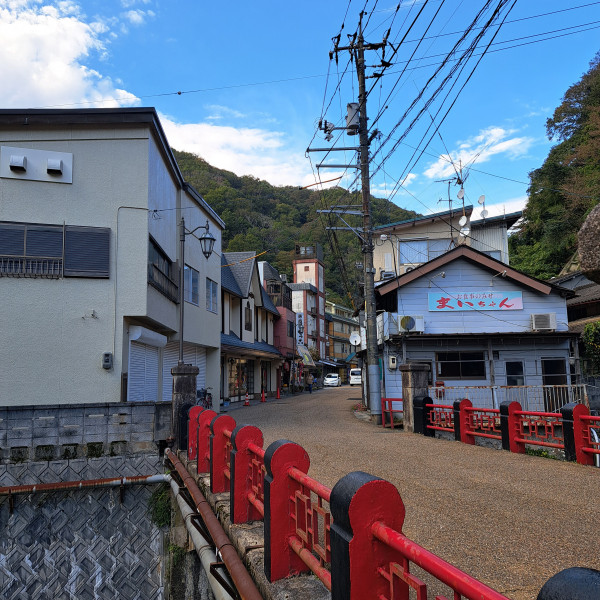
355 377
332 379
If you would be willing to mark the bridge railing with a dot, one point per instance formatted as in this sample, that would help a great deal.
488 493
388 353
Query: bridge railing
350 536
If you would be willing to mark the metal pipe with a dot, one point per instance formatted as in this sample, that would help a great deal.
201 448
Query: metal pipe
77 485
202 546
241 578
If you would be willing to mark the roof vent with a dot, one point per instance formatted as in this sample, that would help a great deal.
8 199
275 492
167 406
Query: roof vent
18 162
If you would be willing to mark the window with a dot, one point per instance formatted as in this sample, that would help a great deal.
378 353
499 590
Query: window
437 247
290 329
190 279
54 251
160 272
494 254
211 295
414 251
460 365
307 268
248 317
514 373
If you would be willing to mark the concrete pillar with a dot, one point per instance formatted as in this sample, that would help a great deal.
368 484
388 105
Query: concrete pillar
184 397
414 385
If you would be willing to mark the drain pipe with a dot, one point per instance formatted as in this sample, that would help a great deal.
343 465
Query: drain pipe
242 581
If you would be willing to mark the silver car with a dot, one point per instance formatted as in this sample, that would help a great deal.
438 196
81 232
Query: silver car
332 379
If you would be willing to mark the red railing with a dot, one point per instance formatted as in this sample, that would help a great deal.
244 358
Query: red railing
256 479
441 418
311 539
590 425
399 577
483 422
387 409
540 429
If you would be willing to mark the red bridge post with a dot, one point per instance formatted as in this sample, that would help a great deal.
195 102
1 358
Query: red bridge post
203 440
464 422
218 452
357 501
280 559
192 450
509 427
241 509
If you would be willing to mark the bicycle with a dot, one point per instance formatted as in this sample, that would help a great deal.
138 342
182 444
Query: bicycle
204 398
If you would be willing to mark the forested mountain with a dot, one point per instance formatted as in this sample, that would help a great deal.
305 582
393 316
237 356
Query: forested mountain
567 186
263 217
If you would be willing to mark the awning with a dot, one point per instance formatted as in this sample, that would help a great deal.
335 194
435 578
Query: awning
350 357
328 363
305 355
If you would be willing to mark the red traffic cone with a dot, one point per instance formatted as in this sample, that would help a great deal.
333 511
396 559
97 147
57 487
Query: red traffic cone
262 397
246 401
278 396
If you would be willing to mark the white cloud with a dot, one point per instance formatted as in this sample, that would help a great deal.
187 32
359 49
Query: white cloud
243 150
479 149
43 53
138 17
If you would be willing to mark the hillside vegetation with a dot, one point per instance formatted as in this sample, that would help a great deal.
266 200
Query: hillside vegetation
567 186
261 217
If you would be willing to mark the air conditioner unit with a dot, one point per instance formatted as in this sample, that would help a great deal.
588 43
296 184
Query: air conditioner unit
411 324
387 275
409 269
543 322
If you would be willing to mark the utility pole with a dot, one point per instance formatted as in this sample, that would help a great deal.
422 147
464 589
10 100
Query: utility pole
357 47
374 383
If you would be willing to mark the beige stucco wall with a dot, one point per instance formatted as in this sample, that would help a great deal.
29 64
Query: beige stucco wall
55 331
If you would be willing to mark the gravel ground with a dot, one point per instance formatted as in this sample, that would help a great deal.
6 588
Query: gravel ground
512 521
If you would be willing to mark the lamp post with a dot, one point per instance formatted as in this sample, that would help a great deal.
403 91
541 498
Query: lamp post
207 243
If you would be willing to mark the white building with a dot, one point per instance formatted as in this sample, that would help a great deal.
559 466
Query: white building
90 206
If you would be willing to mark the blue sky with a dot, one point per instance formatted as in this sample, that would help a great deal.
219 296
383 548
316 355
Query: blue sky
253 77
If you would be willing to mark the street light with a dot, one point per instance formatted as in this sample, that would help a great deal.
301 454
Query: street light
207 243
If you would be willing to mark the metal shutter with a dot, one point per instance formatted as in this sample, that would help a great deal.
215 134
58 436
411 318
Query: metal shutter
87 251
142 379
12 240
170 358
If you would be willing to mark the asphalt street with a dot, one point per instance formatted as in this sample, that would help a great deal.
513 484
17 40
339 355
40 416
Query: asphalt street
512 521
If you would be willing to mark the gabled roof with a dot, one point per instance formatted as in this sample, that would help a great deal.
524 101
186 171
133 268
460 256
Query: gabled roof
510 219
267 303
482 260
426 218
269 272
585 294
241 265
228 281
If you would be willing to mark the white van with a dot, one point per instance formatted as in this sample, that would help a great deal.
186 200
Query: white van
355 377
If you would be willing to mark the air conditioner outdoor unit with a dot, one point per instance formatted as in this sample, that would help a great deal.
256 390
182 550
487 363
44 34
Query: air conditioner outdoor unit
409 269
387 275
411 324
543 322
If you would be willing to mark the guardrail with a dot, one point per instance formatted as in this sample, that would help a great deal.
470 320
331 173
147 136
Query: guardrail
350 536
572 429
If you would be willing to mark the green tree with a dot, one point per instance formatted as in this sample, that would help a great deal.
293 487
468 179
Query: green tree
567 186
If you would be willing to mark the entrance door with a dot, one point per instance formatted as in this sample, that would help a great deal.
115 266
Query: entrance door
554 373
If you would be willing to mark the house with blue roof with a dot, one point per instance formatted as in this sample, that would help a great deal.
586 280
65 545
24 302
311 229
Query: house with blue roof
249 358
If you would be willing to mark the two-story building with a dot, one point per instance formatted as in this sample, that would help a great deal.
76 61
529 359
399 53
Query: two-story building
91 202
488 332
249 360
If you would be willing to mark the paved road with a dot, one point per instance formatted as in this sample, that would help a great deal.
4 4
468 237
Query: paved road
510 520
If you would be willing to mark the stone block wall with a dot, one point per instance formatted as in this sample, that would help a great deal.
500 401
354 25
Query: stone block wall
70 431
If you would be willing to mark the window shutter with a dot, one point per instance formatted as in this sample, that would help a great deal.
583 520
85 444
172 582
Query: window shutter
44 241
12 240
87 251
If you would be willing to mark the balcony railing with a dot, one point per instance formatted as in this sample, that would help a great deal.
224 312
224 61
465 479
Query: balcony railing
544 398
20 266
163 283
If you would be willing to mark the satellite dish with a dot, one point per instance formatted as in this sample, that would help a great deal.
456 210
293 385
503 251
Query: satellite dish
481 199
462 221
465 231
407 323
461 194
355 339
484 213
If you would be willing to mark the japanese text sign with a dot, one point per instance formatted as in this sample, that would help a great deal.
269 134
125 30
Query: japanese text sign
451 301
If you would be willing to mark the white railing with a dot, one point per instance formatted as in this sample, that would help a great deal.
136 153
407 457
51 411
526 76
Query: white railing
540 398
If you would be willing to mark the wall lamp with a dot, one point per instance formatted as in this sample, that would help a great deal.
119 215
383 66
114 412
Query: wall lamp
441 274
207 244
499 274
